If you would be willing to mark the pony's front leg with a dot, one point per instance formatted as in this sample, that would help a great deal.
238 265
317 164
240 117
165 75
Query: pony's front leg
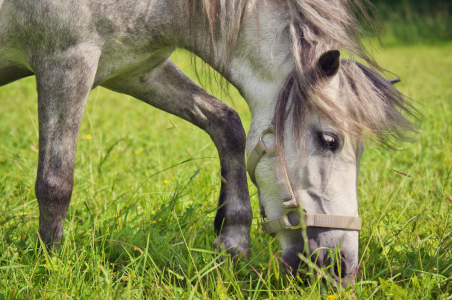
167 88
64 81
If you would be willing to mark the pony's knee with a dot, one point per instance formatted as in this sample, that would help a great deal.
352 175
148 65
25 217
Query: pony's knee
233 130
53 194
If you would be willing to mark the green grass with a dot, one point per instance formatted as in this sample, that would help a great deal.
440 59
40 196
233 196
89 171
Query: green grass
140 224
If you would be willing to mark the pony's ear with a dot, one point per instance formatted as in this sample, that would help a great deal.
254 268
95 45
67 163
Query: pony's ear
329 63
394 81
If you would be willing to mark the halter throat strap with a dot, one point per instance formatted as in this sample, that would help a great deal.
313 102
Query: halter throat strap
290 204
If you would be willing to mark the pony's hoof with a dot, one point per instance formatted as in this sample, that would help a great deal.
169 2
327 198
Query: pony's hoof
225 244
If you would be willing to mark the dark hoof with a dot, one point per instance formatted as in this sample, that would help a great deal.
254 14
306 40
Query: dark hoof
233 243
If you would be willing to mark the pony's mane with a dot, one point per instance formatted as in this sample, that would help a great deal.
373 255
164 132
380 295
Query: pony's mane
369 104
374 105
378 108
316 26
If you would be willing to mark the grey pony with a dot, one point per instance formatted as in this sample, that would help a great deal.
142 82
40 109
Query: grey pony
265 48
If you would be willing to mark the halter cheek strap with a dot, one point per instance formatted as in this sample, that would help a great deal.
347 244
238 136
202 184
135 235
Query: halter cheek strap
289 201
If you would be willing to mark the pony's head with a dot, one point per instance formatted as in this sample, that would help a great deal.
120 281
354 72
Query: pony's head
305 164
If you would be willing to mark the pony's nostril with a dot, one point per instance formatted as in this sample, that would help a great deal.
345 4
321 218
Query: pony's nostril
290 260
342 272
340 267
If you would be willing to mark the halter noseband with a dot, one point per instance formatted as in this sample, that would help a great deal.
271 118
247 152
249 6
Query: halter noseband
289 201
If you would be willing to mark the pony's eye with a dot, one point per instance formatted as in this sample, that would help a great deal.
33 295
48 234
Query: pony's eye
328 140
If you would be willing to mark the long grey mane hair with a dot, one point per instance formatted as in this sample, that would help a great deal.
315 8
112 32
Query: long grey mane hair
374 108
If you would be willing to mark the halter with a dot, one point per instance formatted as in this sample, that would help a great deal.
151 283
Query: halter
290 204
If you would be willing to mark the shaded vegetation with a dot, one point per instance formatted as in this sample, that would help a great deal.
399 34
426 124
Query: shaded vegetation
414 21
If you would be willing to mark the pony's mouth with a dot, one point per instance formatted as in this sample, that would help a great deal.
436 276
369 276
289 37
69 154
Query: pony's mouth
335 272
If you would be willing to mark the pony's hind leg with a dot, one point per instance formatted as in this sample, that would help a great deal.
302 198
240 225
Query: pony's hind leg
63 84
167 88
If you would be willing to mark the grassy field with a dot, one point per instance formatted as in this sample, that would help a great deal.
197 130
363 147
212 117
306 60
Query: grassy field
140 224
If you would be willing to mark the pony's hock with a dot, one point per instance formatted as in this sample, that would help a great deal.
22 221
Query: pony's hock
280 54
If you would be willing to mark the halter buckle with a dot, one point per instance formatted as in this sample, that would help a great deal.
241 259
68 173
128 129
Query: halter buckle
300 211
270 129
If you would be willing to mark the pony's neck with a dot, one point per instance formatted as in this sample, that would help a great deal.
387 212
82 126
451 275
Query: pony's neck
260 61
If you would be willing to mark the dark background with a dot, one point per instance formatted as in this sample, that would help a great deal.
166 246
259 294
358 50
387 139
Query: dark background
414 21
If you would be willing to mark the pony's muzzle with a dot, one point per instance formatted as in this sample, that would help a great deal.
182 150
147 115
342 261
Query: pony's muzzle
339 267
338 260
344 270
334 252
